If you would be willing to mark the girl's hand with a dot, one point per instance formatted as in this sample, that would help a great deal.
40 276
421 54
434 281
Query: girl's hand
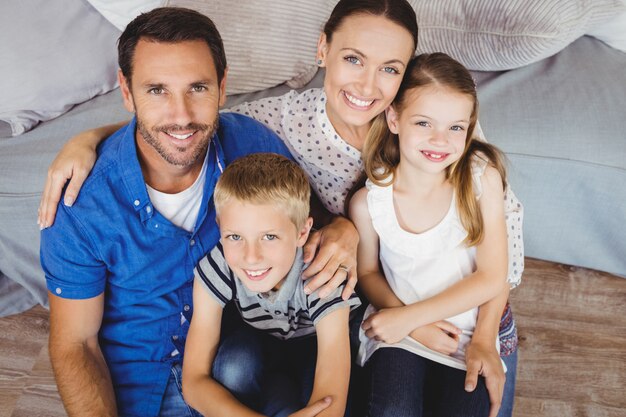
73 163
482 358
389 325
442 337
314 409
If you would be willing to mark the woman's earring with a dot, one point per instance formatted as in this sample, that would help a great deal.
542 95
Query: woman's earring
319 62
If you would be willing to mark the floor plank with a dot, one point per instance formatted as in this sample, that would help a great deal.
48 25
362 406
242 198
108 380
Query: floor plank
572 328
572 332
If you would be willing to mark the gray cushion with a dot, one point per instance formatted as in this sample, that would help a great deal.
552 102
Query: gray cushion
561 123
55 54
266 45
23 165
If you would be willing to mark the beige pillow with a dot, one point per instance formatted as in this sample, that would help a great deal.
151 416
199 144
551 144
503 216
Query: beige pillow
267 42
492 35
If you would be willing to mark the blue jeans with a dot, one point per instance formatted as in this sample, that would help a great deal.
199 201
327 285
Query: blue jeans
272 376
241 365
173 404
506 409
233 368
407 385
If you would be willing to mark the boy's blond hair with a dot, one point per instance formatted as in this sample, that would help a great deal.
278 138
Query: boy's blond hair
266 178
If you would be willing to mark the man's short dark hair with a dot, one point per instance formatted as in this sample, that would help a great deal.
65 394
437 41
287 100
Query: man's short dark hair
170 25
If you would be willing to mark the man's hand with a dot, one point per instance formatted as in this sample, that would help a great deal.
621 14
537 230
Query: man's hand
482 358
442 337
389 325
314 409
336 245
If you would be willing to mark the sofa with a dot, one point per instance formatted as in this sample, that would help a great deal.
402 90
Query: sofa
557 110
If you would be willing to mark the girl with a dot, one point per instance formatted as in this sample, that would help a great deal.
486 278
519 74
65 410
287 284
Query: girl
432 215
364 47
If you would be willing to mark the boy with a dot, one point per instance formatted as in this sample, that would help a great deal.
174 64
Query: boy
262 209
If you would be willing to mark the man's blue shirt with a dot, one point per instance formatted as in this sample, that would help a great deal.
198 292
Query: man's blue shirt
112 241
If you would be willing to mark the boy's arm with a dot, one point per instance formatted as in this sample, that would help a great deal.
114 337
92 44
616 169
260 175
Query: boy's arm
332 370
200 390
73 163
487 282
80 370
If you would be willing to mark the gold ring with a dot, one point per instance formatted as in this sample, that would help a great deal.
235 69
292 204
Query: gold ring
344 268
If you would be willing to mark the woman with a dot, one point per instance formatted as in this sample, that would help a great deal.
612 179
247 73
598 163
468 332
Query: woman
365 47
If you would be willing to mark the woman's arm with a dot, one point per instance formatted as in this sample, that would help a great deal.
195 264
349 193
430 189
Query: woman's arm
332 370
485 283
73 163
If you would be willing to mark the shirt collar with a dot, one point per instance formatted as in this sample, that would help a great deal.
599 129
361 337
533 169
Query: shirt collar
131 170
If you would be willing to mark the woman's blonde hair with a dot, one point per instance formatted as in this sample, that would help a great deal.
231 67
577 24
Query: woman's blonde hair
381 153
266 178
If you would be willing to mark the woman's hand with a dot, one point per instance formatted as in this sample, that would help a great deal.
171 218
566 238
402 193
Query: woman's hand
73 163
335 261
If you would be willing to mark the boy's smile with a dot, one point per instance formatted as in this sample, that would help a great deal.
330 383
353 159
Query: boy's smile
260 242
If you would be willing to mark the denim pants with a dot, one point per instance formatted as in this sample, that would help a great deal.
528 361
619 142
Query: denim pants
403 384
506 409
244 364
232 367
268 375
271 376
173 404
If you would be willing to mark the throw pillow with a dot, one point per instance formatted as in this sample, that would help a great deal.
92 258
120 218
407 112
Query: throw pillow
267 43
121 12
55 54
492 35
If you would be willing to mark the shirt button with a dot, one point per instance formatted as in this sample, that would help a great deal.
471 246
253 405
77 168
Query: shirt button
192 242
148 209
175 337
136 203
58 291
186 307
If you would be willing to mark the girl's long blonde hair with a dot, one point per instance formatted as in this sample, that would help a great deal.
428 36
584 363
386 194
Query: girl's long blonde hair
381 153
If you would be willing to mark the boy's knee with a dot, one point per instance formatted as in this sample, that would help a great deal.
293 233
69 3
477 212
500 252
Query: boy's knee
238 366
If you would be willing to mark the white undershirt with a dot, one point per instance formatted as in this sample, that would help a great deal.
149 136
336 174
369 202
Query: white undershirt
181 208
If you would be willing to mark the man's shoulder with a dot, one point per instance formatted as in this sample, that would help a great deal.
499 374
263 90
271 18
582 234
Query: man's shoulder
241 135
108 156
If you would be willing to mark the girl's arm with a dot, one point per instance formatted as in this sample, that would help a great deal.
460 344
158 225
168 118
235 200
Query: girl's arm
200 390
73 163
371 280
489 279
481 355
440 336
332 370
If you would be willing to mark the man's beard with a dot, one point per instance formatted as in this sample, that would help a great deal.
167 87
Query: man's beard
184 159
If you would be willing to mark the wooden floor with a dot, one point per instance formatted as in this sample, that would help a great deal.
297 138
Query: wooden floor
572 327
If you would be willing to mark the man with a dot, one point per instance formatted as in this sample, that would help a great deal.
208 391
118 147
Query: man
119 262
